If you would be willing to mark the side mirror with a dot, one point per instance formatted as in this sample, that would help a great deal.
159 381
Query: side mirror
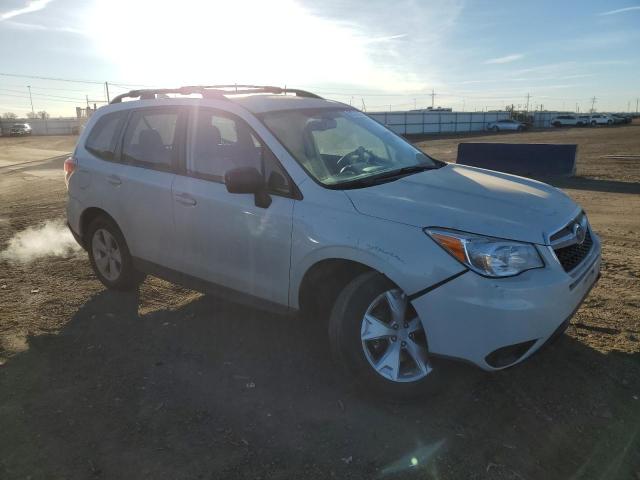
248 180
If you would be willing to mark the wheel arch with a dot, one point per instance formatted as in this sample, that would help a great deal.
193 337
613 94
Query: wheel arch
323 281
88 216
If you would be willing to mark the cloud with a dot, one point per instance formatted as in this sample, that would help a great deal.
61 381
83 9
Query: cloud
388 38
40 27
620 10
506 59
31 6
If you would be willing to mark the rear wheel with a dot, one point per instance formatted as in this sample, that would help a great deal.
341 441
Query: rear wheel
594 123
110 257
377 336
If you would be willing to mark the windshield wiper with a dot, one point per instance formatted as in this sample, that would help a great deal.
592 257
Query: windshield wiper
387 176
406 171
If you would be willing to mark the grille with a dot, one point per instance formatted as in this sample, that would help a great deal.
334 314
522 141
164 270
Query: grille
571 256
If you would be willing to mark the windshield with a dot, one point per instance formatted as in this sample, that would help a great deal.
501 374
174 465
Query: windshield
340 147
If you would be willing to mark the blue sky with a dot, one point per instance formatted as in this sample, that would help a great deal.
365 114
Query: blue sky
387 55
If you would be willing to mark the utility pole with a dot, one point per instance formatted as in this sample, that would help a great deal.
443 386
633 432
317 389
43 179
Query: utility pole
433 96
637 104
577 108
106 87
364 107
528 98
593 103
31 100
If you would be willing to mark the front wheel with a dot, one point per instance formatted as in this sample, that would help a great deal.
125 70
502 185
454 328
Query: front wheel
109 256
377 336
495 128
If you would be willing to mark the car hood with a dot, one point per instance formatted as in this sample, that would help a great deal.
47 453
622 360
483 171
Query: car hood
472 200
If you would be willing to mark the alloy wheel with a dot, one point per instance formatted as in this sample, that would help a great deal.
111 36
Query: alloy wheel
393 339
106 254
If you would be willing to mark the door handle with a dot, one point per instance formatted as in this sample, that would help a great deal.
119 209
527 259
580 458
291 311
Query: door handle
114 180
185 199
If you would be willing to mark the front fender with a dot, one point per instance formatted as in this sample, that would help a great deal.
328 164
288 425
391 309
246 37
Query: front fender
403 253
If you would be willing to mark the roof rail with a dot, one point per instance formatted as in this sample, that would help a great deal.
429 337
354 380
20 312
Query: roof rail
212 91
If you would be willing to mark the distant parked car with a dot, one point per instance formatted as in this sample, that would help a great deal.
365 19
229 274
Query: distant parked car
564 120
620 118
584 120
617 119
508 124
601 119
20 129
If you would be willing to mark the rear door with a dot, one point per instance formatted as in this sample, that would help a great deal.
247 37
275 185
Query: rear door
225 238
152 146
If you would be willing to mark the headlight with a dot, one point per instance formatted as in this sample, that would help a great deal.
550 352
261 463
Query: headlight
489 256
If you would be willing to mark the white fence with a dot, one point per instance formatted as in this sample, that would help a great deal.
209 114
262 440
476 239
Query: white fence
50 126
408 123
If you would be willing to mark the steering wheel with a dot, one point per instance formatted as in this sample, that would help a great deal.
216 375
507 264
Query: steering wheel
358 155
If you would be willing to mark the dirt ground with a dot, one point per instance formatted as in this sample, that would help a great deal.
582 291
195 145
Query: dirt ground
170 384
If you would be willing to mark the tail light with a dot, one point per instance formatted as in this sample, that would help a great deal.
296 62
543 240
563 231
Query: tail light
69 166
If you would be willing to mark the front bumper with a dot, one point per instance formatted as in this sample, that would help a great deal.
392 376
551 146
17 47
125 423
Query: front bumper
479 320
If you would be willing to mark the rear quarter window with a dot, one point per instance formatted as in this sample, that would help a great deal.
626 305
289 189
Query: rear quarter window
103 137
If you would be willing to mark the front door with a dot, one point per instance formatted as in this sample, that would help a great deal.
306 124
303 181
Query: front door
225 238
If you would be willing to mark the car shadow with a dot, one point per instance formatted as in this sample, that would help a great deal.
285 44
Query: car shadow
212 389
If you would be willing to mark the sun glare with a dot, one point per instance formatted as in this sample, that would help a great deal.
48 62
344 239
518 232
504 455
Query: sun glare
253 41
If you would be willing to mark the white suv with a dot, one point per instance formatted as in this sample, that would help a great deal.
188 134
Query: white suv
294 203
600 119
564 120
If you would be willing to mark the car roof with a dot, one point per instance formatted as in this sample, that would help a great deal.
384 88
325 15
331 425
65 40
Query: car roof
256 99
270 103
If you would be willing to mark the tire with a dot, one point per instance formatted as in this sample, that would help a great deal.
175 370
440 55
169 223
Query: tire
520 129
593 124
357 355
557 124
105 240
495 128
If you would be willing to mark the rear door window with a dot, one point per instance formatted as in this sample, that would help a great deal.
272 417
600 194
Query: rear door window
102 141
151 139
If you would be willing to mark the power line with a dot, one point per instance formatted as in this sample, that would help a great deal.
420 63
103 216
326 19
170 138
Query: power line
27 96
35 77
41 94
